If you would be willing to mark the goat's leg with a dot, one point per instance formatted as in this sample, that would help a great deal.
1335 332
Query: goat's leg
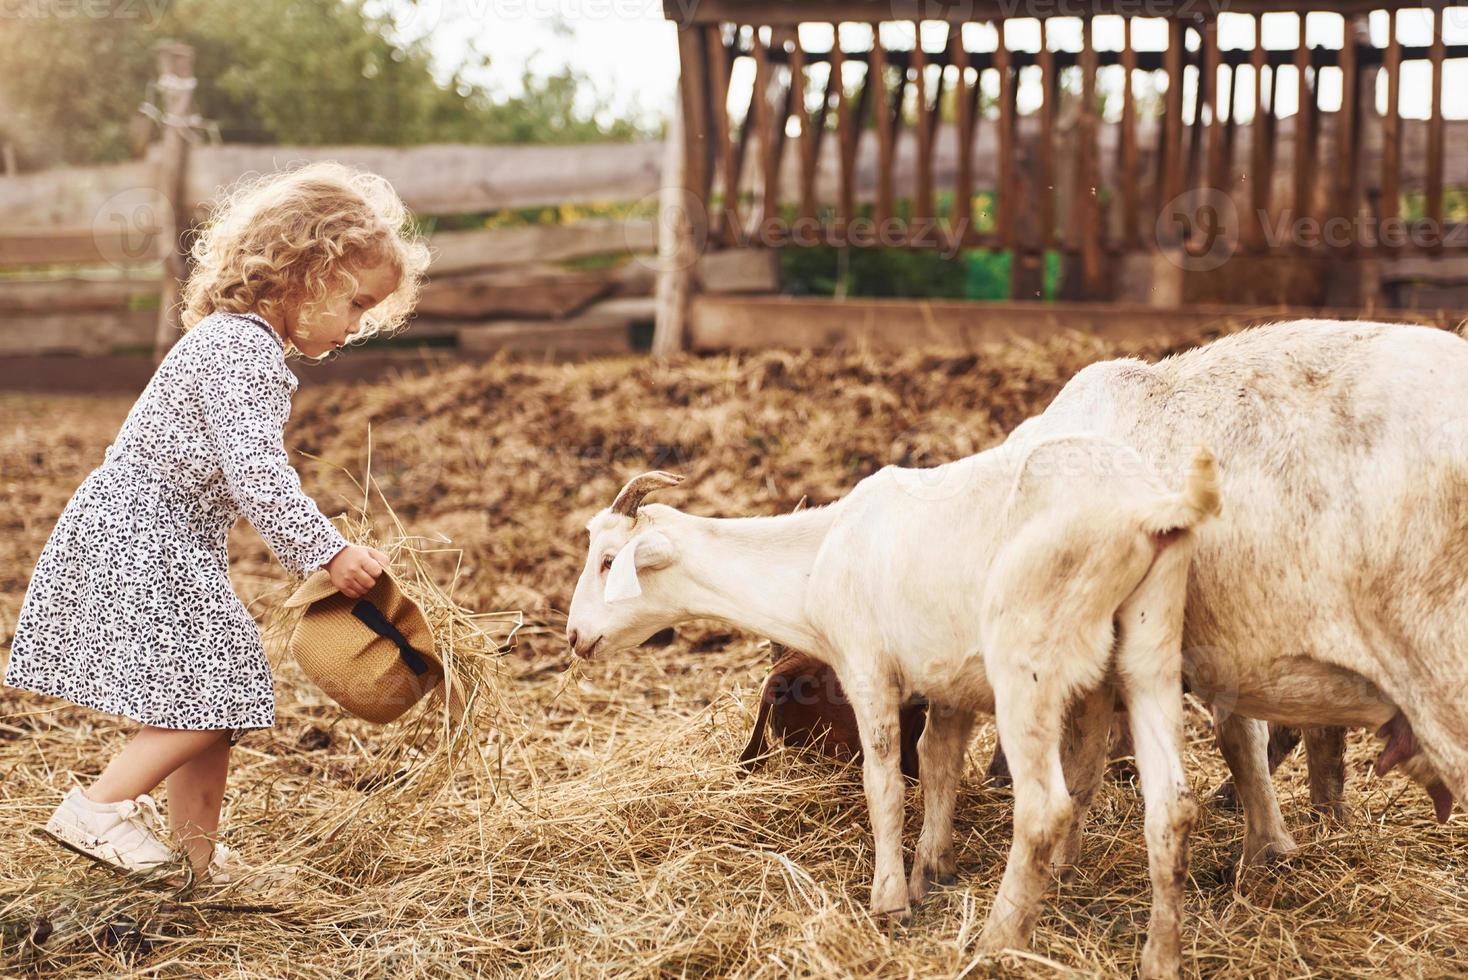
940 764
1244 743
1030 714
876 704
1149 663
1325 760
1084 754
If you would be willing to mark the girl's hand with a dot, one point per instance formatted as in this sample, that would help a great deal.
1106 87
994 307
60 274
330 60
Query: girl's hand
355 568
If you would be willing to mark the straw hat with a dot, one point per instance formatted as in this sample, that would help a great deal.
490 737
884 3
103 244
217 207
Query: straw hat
374 656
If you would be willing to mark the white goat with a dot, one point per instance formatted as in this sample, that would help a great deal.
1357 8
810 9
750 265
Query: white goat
1338 595
1007 582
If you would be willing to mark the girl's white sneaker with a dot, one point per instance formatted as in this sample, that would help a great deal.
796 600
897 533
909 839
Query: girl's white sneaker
127 835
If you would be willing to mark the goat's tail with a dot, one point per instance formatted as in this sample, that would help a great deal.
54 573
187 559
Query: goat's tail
1198 500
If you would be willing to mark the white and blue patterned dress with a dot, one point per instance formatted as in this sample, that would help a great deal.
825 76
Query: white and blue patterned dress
130 610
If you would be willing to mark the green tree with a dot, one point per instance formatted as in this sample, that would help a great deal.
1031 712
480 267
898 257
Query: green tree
275 71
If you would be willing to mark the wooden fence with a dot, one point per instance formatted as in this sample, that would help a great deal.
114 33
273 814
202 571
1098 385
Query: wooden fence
103 228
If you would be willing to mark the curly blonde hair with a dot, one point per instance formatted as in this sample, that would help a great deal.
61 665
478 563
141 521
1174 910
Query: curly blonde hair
292 239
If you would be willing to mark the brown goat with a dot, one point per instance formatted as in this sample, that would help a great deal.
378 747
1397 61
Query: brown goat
803 701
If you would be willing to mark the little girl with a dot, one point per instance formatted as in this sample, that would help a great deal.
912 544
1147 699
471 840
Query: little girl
130 610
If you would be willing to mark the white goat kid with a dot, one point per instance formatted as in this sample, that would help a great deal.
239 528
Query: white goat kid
1021 583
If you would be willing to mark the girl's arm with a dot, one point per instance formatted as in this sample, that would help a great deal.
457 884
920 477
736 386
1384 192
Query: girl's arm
246 404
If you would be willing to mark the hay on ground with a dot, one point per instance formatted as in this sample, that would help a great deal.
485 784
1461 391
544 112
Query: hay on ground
602 828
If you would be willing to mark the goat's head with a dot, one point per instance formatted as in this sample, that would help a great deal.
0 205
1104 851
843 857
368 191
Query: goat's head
617 604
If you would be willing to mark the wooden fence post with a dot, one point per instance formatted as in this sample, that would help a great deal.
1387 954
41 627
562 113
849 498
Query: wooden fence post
176 90
675 239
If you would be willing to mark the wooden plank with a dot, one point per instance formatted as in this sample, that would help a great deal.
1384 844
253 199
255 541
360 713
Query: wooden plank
721 323
77 196
1170 134
114 246
74 295
456 252
1128 166
1005 205
77 333
720 66
764 128
785 102
740 270
877 84
589 336
845 139
807 138
632 309
1050 91
1231 127
748 131
1391 126
1216 174
536 291
1193 168
1434 189
1088 170
694 94
1304 162
922 204
1347 132
821 123
934 111
899 230
453 178
1262 147
963 192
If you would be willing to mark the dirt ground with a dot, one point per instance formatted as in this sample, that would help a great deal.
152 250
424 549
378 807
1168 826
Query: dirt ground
608 832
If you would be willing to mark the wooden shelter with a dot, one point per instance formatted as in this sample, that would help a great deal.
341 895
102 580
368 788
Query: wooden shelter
1214 173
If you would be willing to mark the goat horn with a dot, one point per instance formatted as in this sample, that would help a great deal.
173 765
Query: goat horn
638 487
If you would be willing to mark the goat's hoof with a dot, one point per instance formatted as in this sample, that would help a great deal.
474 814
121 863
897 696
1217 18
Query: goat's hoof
997 938
1263 851
923 882
902 916
1330 813
1158 963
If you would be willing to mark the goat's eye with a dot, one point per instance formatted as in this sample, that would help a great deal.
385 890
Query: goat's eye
606 563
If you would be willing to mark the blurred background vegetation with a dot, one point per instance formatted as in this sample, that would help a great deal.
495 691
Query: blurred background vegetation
303 72
325 72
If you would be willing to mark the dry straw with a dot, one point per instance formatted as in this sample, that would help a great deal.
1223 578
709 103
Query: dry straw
599 826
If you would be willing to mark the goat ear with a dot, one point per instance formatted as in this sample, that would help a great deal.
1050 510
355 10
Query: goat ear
650 549
654 550
622 579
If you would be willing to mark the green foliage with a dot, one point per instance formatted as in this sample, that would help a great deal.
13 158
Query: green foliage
305 72
70 86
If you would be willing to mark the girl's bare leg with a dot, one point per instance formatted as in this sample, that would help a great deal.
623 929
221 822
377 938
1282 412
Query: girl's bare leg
195 794
147 758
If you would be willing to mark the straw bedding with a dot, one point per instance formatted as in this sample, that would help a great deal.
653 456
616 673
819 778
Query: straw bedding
596 825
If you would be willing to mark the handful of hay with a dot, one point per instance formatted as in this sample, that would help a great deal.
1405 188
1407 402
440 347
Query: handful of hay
439 739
